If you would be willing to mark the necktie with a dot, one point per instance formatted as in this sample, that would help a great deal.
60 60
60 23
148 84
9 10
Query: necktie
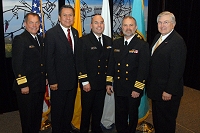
100 41
69 38
126 43
36 39
158 43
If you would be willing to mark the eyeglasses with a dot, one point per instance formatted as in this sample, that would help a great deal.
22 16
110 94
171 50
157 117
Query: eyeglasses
164 23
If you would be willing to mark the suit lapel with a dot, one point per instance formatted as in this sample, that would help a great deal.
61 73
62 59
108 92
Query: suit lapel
33 41
104 48
62 36
75 36
164 43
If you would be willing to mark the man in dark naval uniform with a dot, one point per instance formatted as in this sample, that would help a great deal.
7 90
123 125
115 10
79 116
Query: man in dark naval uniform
28 67
92 59
127 70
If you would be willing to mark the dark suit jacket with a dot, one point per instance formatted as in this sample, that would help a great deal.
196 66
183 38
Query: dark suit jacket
92 60
166 67
28 62
128 66
60 59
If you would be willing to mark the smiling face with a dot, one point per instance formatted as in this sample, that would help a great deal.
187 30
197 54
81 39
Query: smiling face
66 17
165 24
128 27
97 25
32 24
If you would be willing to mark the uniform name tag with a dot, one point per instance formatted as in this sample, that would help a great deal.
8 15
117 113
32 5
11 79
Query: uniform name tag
31 46
133 51
108 47
92 48
116 50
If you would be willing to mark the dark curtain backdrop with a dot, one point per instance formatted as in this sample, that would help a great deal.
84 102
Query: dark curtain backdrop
187 24
186 13
8 100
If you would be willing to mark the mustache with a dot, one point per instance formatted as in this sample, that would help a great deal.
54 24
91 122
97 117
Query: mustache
128 30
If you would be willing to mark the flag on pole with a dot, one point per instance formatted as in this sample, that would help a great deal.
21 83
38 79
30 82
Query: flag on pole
138 14
105 13
77 23
76 120
37 8
108 116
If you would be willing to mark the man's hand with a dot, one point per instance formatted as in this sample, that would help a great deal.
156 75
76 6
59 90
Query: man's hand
135 94
25 90
54 87
87 87
166 96
109 89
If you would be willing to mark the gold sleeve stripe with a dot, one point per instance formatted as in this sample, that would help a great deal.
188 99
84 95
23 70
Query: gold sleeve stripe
82 76
21 80
109 78
139 85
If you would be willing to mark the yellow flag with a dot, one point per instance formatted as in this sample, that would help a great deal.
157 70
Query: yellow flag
76 120
77 22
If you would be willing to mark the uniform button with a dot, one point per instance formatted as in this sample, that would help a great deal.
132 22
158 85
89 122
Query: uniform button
19 75
105 72
41 72
98 66
118 77
106 60
126 72
106 66
98 72
127 65
126 78
118 71
118 64
41 64
99 60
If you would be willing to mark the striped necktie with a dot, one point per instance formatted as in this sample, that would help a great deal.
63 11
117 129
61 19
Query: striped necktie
158 43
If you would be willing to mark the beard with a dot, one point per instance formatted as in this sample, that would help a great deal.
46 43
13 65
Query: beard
128 33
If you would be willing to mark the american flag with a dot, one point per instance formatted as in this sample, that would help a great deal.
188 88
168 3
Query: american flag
36 9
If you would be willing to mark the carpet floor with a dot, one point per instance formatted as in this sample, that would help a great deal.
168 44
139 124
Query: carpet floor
188 120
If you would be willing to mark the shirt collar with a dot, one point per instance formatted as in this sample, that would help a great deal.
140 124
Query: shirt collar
165 36
128 39
65 29
97 36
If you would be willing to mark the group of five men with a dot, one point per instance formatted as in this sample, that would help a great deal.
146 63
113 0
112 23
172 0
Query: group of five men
124 66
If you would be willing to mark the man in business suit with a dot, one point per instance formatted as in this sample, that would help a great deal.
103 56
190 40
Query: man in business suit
127 71
60 44
28 68
165 81
92 59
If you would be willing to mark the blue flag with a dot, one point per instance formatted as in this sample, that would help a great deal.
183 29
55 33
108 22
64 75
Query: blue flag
138 14
36 9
